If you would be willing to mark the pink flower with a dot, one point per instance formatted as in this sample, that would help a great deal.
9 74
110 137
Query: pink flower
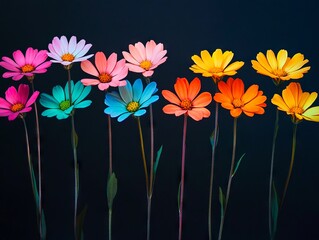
65 52
144 59
16 102
32 63
109 72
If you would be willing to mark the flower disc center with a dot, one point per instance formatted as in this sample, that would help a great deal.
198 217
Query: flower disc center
64 105
237 103
297 110
17 107
280 73
27 68
132 106
105 78
146 64
68 57
186 104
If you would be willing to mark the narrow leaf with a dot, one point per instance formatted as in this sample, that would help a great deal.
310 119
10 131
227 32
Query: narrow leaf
111 189
237 165
80 222
274 211
211 138
222 202
158 156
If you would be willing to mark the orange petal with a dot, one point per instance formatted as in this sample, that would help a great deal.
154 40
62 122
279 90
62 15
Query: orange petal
181 88
238 88
171 109
171 97
221 98
235 112
194 88
225 89
202 100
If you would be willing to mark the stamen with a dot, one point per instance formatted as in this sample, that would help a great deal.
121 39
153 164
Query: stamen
132 106
68 57
27 68
146 64
186 104
105 78
17 107
64 105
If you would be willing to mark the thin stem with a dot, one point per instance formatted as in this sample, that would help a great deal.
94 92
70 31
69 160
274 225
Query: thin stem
229 179
212 175
293 150
110 144
39 164
271 171
149 205
182 179
110 223
143 153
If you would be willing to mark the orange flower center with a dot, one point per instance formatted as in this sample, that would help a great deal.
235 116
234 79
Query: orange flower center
17 107
186 104
105 78
296 110
215 70
132 106
27 68
68 57
237 103
280 73
146 64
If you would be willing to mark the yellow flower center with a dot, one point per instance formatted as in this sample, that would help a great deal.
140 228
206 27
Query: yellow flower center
27 68
280 73
146 64
17 107
296 110
105 78
132 106
186 104
237 103
64 105
68 57
215 70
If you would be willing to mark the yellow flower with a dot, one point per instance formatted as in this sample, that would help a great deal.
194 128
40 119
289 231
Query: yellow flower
215 65
296 103
280 67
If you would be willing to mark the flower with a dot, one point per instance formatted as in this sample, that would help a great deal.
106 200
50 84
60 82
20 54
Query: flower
33 62
282 67
215 65
186 101
16 103
109 72
144 59
233 97
66 53
59 104
296 103
131 100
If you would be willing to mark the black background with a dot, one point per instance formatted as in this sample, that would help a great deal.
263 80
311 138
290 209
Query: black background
185 28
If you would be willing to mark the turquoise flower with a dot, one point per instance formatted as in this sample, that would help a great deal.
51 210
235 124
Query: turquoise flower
130 100
59 104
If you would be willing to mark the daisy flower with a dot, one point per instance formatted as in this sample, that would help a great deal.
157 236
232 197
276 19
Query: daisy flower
108 72
16 103
144 59
33 62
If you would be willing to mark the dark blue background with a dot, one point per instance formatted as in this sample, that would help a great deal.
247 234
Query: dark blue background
185 28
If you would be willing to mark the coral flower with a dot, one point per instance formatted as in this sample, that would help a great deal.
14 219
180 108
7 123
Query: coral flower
66 53
233 97
33 62
186 100
215 65
131 100
17 102
109 72
144 59
280 67
296 103
59 104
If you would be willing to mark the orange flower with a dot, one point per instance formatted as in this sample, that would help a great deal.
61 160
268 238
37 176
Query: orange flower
233 97
186 101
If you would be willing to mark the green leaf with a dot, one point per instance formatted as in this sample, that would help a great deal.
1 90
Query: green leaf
274 211
158 156
111 189
237 165
80 222
211 138
222 202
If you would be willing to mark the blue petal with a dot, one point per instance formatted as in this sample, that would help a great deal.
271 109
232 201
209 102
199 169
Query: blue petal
50 112
124 116
149 101
77 90
61 115
149 90
140 112
126 92
66 89
115 111
137 90
83 104
69 110
48 101
84 94
113 100
58 93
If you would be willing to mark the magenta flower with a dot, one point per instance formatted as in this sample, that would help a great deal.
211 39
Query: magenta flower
66 53
144 59
16 102
33 62
109 72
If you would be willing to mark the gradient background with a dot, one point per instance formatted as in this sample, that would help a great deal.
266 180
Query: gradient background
185 28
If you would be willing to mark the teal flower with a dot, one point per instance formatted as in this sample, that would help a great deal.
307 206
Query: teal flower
131 100
59 104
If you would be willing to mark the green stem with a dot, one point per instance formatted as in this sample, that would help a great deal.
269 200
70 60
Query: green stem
110 145
293 150
229 179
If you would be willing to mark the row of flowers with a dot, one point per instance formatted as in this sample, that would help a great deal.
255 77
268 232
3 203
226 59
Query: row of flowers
133 99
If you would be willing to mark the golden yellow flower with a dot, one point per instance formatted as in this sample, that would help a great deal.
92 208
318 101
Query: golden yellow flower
296 103
280 67
215 65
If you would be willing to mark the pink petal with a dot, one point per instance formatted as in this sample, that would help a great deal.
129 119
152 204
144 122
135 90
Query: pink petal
121 75
56 45
159 58
89 68
10 61
159 63
19 58
30 54
84 51
103 86
54 56
72 45
17 77
148 73
149 49
44 65
11 95
111 63
120 66
141 49
26 109
135 53
64 44
90 81
5 112
11 74
134 68
128 57
79 47
23 93
40 57
4 104
100 62
32 99
13 116
158 48
38 71
9 67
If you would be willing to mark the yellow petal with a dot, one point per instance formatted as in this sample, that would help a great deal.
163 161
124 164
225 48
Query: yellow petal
298 74
296 62
199 62
279 102
207 59
310 100
217 58
282 58
312 114
234 66
272 59
262 60
289 97
227 57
